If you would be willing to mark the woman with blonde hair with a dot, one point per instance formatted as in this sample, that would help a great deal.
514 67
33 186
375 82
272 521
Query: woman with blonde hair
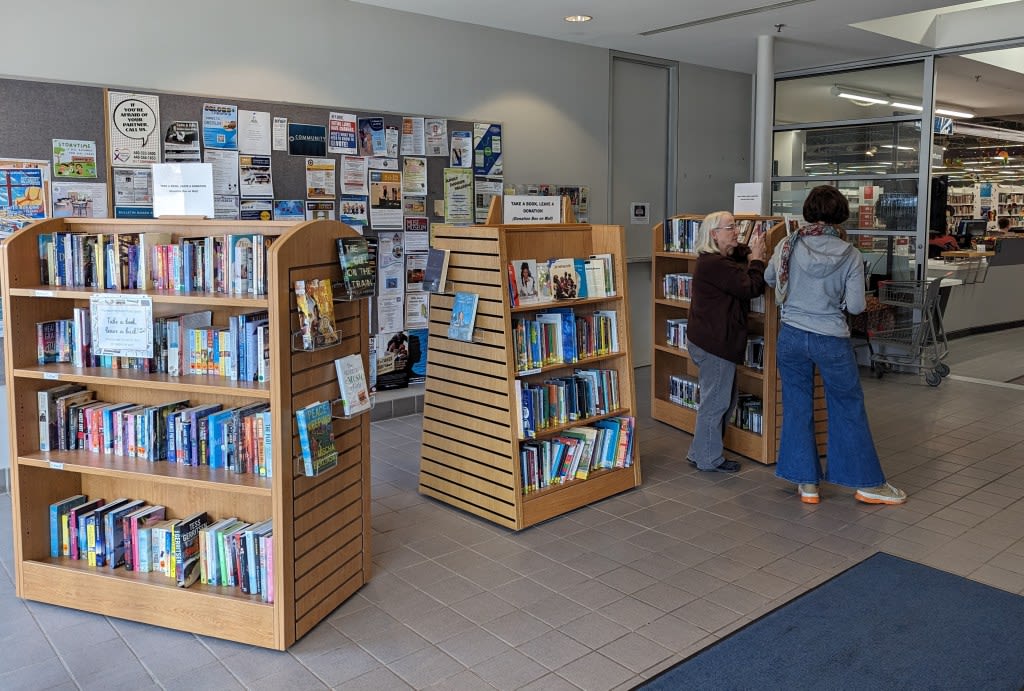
726 277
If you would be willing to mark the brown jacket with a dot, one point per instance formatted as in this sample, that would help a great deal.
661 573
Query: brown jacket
722 289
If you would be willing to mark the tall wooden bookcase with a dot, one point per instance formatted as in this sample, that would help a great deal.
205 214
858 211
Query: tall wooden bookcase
321 524
669 360
470 448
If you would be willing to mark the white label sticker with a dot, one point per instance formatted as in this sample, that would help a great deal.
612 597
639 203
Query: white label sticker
44 293
56 466
51 375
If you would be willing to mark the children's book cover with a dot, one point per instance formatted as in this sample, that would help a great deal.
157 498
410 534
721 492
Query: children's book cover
460 328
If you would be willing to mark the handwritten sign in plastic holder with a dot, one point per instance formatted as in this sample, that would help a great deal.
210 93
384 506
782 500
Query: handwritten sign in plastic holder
122 325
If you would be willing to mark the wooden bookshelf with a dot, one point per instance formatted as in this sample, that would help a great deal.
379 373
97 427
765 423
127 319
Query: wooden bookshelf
321 524
470 449
669 360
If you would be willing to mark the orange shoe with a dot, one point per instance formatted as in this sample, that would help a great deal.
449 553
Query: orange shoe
808 493
883 494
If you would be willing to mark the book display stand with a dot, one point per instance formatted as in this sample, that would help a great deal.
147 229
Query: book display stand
470 454
671 364
321 525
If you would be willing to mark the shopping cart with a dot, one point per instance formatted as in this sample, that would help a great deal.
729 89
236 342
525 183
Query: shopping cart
917 340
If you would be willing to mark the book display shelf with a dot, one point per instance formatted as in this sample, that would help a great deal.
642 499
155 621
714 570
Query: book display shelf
757 434
321 525
472 417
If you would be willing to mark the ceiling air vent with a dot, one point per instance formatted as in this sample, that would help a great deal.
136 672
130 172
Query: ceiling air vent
723 17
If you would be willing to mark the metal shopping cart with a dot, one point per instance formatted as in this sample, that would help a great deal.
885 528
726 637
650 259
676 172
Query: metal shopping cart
917 340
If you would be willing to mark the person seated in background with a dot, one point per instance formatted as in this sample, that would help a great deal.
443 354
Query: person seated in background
1003 225
940 241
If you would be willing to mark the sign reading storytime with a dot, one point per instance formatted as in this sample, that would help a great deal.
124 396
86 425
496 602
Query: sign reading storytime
341 133
122 325
487 149
183 189
134 119
307 140
74 158
458 195
181 142
372 138
531 210
220 126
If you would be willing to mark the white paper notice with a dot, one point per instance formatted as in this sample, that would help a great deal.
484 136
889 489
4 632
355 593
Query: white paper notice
280 134
254 132
746 197
225 170
183 189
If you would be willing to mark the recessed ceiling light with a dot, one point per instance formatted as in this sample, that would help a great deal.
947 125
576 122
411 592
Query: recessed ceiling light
578 18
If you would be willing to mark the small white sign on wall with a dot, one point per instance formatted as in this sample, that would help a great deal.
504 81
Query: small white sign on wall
640 213
746 197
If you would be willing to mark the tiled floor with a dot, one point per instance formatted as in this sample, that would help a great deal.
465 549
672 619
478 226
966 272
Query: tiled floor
598 599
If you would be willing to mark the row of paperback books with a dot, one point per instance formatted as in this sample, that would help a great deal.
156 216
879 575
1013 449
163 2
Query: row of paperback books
677 286
535 280
749 412
560 400
680 234
234 263
675 335
235 438
183 344
576 452
128 533
560 336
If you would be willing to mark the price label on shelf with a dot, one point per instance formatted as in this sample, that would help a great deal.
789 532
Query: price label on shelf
56 466
53 376
44 293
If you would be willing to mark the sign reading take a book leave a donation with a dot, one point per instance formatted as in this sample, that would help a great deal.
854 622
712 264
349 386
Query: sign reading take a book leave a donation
122 325
183 189
532 210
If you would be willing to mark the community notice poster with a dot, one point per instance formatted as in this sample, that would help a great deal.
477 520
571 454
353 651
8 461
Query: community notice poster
341 134
487 149
458 195
74 158
134 122
220 126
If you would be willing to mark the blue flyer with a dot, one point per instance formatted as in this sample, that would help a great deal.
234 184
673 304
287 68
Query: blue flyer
220 126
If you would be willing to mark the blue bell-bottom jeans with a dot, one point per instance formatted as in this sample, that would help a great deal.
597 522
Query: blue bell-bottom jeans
852 459
718 395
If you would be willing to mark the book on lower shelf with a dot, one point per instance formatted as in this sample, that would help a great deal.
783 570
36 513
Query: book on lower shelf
460 328
316 438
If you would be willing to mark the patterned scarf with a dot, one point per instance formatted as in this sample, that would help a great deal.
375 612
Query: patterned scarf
782 281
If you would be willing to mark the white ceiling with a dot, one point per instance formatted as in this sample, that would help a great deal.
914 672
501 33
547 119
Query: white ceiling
816 32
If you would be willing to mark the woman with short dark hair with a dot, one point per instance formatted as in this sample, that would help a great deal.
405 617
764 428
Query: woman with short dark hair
817 275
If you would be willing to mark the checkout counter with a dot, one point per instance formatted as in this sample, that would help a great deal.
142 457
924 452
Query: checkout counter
988 296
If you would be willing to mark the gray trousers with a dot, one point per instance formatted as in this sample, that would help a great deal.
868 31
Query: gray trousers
718 393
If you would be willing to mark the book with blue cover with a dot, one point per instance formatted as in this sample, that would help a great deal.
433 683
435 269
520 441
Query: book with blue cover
316 438
460 328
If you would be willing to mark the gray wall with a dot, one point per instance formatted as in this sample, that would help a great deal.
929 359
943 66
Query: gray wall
715 123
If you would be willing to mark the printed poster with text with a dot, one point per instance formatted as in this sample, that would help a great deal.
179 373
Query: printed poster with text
458 195
487 149
220 126
385 200
341 133
74 158
134 123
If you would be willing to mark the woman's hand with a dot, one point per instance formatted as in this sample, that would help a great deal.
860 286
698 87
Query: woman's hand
757 248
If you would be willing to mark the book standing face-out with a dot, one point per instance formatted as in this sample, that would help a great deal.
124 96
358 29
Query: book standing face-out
355 397
316 438
315 301
460 328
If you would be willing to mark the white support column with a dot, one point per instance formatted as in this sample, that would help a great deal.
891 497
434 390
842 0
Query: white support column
764 117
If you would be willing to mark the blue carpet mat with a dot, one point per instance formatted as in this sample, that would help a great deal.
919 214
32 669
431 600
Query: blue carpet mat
886 623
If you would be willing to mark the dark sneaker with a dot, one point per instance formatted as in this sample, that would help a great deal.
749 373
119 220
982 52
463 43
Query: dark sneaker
726 466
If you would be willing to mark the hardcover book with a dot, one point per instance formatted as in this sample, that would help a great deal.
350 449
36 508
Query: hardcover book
435 275
316 438
355 397
564 282
358 267
460 328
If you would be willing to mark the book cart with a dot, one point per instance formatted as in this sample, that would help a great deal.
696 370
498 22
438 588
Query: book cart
321 525
669 360
470 448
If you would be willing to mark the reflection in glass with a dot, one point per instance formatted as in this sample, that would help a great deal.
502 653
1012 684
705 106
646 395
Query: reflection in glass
875 204
877 149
